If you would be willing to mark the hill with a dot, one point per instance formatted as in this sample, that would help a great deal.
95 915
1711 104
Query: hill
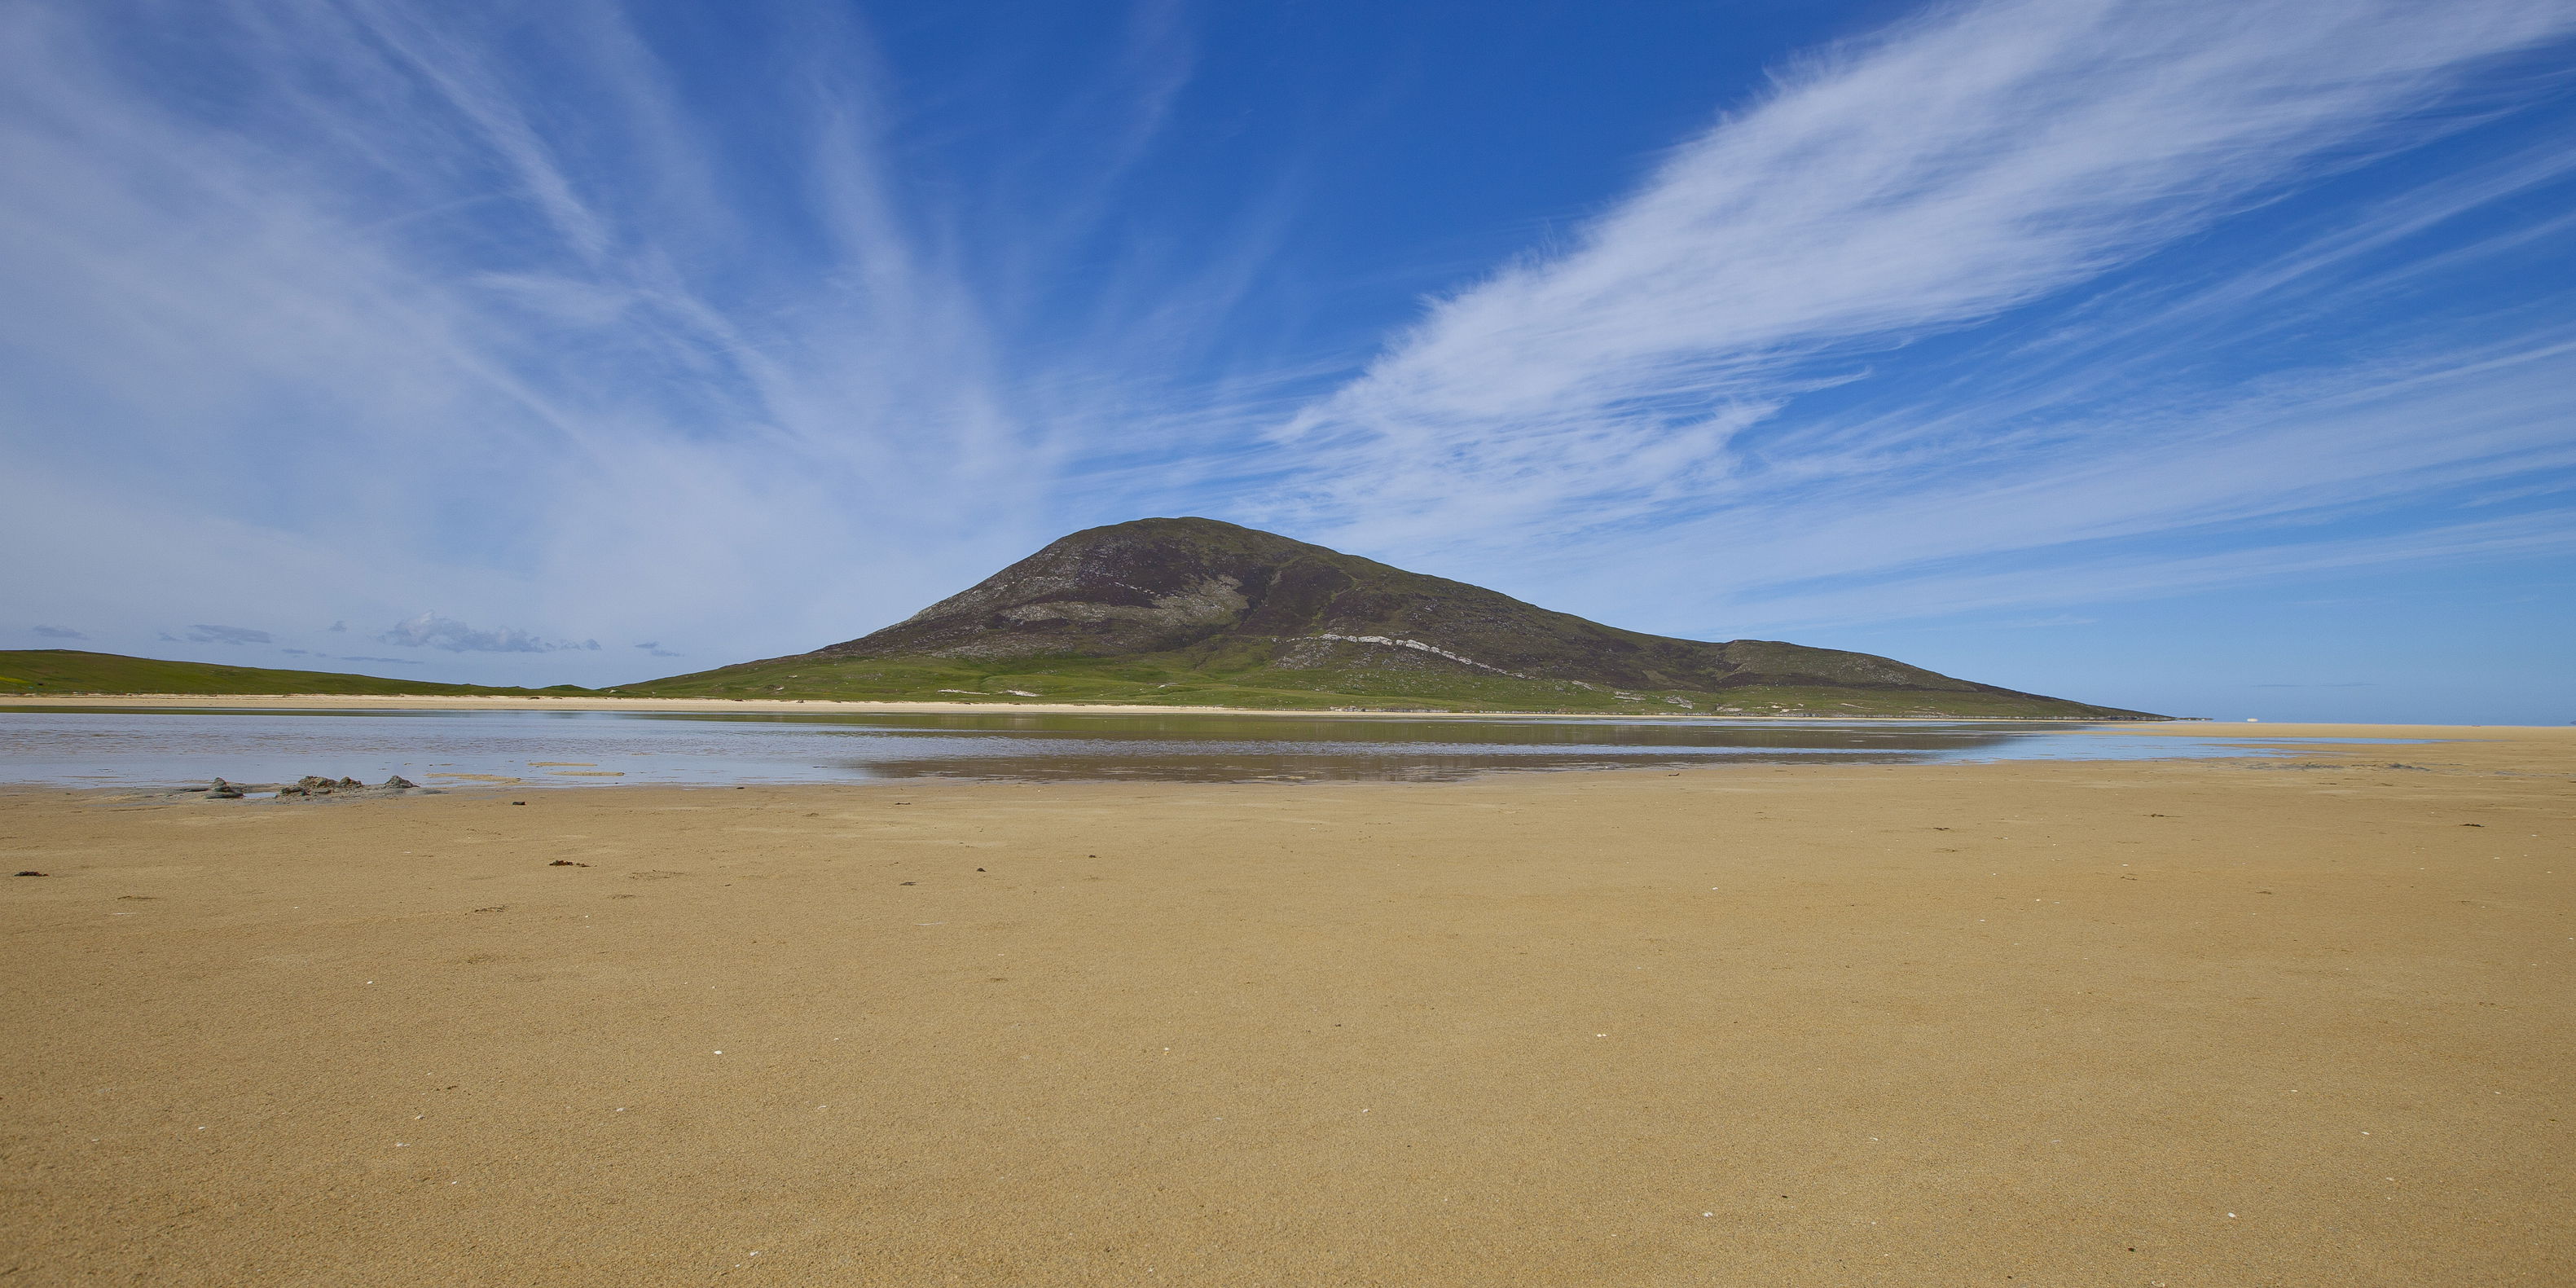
64 670
1194 612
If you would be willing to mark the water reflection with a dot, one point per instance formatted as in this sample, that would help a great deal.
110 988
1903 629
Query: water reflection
459 748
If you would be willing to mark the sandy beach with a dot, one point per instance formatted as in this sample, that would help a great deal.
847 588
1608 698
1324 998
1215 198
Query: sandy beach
2294 1022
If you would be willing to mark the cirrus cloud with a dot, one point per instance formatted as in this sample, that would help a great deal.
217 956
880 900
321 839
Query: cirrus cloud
1927 179
204 634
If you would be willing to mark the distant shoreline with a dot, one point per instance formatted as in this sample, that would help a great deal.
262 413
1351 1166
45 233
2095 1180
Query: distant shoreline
462 702
448 702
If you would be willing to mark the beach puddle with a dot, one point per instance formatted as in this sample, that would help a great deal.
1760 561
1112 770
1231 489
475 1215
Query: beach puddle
123 747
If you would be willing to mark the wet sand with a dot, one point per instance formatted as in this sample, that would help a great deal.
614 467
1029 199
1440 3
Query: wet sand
2181 1023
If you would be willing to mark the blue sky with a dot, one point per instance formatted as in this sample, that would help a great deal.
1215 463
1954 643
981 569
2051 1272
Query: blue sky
2209 357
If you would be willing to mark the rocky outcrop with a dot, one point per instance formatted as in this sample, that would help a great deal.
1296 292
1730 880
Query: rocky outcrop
311 786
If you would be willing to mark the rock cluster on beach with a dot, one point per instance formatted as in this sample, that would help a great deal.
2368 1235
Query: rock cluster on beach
307 787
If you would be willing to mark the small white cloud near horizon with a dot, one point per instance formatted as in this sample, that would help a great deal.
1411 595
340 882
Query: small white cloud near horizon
57 633
429 630
204 634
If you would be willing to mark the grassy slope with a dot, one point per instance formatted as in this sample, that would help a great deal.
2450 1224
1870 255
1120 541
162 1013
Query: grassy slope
63 670
1183 680
1179 680
1309 592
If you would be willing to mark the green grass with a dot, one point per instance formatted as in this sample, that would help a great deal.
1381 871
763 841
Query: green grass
1188 680
1233 677
58 671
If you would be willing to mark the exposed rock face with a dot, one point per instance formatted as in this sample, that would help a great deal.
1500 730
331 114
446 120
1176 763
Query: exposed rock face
1202 588
1145 587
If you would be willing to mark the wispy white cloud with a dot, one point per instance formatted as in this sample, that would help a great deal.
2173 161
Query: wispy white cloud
2283 454
203 634
474 305
1641 395
2114 577
482 306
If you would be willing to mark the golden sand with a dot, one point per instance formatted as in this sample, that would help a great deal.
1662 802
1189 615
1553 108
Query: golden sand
2182 1023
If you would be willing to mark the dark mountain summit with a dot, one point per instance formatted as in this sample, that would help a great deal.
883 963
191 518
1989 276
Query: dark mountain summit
1197 612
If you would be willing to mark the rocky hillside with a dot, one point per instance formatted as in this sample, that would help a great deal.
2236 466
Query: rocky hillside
1197 612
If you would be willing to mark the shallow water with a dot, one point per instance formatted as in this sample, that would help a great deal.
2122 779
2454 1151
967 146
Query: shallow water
123 747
